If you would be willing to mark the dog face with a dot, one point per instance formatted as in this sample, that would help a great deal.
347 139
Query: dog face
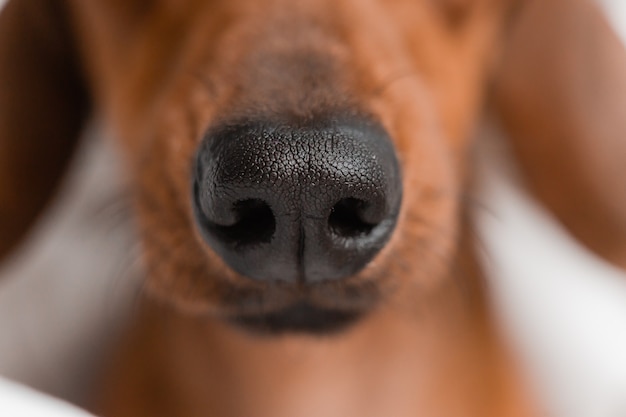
299 163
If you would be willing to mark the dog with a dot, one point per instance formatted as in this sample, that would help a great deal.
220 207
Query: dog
299 172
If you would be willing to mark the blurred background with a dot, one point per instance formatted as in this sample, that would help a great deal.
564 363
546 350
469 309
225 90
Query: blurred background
66 292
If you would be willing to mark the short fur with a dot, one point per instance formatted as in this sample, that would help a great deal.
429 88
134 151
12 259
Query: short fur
162 72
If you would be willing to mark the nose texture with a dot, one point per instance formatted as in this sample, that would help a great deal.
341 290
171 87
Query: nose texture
297 203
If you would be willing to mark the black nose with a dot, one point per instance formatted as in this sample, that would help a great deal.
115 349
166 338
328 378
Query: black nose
297 203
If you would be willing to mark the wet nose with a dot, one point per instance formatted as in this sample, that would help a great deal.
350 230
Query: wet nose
306 203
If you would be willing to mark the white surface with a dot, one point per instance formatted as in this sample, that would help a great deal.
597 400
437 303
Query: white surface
616 12
20 401
565 309
61 297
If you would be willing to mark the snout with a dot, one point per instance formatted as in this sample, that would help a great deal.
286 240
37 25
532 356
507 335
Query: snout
297 202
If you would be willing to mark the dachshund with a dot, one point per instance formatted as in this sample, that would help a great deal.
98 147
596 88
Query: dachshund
299 174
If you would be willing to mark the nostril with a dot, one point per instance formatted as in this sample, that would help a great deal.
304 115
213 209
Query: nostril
310 202
255 223
347 218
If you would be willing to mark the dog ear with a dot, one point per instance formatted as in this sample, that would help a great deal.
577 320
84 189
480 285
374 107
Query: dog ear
43 105
560 92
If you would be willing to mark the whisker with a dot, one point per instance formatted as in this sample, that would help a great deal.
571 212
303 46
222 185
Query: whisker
380 89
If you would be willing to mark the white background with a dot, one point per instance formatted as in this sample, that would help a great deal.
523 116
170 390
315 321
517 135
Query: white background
564 309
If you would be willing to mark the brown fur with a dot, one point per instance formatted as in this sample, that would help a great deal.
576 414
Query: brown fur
160 72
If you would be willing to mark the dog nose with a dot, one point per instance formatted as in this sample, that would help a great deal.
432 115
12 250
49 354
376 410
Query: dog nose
310 203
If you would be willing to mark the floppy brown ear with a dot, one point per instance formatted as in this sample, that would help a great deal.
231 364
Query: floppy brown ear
42 108
561 95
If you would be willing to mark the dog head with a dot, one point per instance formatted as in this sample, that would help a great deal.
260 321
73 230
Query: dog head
299 163
296 164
